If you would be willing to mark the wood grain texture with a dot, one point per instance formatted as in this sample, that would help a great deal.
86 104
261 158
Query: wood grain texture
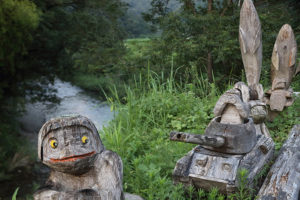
231 115
240 138
258 157
204 168
283 68
244 90
214 141
258 111
80 169
283 58
213 171
250 38
230 104
132 197
181 170
283 180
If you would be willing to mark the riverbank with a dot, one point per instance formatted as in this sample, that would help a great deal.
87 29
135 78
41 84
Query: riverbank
133 65
23 170
139 134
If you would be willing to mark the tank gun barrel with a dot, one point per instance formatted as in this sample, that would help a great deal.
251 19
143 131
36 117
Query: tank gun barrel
212 141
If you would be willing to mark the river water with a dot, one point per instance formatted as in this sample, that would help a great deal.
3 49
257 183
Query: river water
73 100
28 174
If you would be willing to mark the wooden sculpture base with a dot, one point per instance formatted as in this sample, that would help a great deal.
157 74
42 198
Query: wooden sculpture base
206 169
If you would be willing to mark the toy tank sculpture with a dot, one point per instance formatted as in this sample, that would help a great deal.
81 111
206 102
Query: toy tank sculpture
237 137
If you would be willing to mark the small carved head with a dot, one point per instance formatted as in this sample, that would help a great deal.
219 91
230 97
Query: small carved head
69 144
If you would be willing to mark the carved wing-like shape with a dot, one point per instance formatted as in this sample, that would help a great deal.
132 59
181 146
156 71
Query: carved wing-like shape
250 42
283 58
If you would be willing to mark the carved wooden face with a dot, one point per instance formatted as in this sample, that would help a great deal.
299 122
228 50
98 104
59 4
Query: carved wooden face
70 149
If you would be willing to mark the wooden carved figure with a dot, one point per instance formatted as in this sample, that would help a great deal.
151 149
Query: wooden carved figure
237 137
81 167
250 38
282 69
283 179
249 96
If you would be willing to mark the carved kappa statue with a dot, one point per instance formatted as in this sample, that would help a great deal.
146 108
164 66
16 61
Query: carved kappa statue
81 168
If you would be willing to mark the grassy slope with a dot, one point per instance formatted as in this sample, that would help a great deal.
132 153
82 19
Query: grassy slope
139 133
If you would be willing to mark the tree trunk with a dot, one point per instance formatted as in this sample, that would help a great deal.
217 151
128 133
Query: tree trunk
209 57
229 2
283 180
189 6
209 5
209 68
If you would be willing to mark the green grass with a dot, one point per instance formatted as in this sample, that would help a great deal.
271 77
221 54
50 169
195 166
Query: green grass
283 123
149 109
137 48
98 84
140 135
133 62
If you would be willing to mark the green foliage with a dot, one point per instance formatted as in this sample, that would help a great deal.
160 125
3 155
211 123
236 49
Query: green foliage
244 192
296 83
81 36
187 36
213 195
283 123
140 134
14 197
9 143
133 22
18 20
192 31
46 38
273 16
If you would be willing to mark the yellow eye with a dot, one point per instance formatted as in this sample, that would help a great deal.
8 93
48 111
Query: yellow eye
53 143
84 139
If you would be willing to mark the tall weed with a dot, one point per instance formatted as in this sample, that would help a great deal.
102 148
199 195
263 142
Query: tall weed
140 133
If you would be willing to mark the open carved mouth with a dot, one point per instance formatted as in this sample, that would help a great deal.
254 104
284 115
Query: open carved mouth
72 158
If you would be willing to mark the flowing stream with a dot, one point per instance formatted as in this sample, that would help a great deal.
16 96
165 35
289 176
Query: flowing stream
72 100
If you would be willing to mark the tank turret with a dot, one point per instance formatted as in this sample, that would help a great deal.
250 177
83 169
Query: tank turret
224 138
